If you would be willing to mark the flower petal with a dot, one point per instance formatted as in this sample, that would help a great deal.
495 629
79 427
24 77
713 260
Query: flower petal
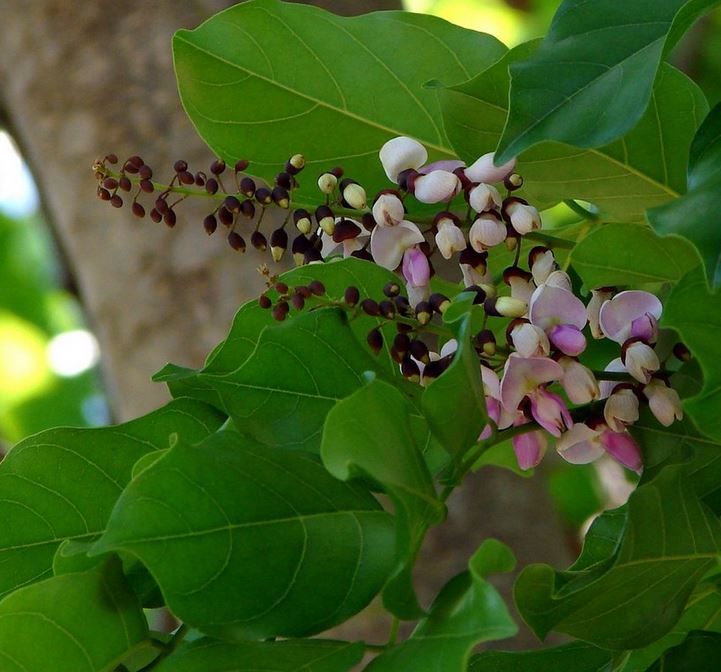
554 305
617 315
483 170
388 243
622 448
401 153
580 444
522 375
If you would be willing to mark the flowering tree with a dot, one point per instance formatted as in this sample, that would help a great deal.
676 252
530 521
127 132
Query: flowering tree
392 148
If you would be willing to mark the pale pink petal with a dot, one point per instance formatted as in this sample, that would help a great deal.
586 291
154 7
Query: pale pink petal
416 269
484 197
436 187
449 238
522 375
578 381
549 411
664 402
448 165
580 444
607 386
483 170
388 243
388 210
617 316
641 361
402 153
553 305
598 298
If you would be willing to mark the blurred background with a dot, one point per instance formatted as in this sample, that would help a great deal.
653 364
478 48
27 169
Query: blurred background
85 289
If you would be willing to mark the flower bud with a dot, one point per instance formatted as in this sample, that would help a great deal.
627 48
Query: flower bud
302 221
326 220
520 282
436 187
529 340
327 182
300 246
484 197
449 238
483 170
400 154
524 218
578 381
487 231
505 306
664 402
621 409
598 298
295 164
640 360
280 197
542 263
278 244
353 195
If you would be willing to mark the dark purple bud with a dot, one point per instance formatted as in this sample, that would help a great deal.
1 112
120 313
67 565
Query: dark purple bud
370 307
351 296
210 224
419 350
297 301
169 218
147 186
124 183
116 201
280 197
180 166
264 301
145 172
235 240
217 167
241 165
263 196
391 289
225 216
317 287
439 302
375 340
155 215
284 180
387 308
211 186
259 241
345 229
410 370
138 210
232 203
247 186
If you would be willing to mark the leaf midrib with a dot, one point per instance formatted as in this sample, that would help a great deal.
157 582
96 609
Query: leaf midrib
343 111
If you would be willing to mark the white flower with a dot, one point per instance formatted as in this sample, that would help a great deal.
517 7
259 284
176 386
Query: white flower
402 153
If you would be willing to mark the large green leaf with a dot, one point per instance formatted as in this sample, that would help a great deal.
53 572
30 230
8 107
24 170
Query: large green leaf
699 652
265 79
454 404
312 655
591 79
63 483
622 254
644 169
468 610
696 215
636 596
577 656
83 622
696 315
299 369
249 541
369 433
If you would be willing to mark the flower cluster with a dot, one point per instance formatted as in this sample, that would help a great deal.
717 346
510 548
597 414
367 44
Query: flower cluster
535 384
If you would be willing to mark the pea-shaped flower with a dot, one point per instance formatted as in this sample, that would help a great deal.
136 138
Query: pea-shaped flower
400 154
561 315
483 170
630 314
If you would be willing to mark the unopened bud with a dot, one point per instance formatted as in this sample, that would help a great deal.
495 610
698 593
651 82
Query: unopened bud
259 241
295 164
391 289
351 296
513 181
424 312
485 341
280 197
235 240
410 370
278 244
301 219
327 182
317 288
387 309
247 187
300 246
326 220
354 196
370 307
439 302
505 306
263 196
375 340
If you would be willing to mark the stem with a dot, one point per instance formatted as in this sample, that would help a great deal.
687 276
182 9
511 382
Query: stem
612 375
550 241
393 633
173 644
580 210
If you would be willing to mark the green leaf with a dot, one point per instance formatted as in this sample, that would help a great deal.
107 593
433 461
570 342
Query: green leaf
369 434
265 79
249 541
696 315
591 79
576 656
623 178
82 622
454 404
468 610
630 600
313 655
695 216
700 652
622 254
251 319
62 483
703 612
299 369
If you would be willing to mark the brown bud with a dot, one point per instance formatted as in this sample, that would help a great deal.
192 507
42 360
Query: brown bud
263 196
147 186
145 172
211 186
259 241
351 296
375 340
235 240
232 203
247 187
302 221
391 289
169 218
387 308
180 166
116 201
225 216
370 307
124 183
241 165
155 215
424 312
217 167
317 287
410 370
264 301
439 302
210 224
280 197
419 350
138 210
297 301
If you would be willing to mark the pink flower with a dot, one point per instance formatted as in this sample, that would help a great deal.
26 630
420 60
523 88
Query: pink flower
529 448
640 360
561 315
578 381
630 314
582 444
664 402
417 273
388 243
449 238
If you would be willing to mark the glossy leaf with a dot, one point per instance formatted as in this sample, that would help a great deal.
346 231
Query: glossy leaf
298 550
694 215
454 404
299 369
577 656
63 483
369 434
468 610
82 622
623 178
265 79
312 655
619 254
635 597
696 315
591 78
